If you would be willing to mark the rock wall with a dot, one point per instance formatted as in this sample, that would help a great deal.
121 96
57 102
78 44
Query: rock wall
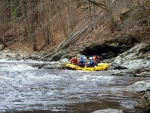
110 48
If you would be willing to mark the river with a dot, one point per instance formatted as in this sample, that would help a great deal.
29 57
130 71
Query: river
24 89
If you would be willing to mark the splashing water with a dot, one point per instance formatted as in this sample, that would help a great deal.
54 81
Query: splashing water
27 88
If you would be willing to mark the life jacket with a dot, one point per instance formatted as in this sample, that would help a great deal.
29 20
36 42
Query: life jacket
81 60
74 60
91 62
95 58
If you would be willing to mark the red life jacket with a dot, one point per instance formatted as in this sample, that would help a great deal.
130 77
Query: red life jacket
74 60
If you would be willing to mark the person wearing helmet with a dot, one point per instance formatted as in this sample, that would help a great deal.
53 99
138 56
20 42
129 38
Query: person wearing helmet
82 62
91 64
96 59
84 58
74 60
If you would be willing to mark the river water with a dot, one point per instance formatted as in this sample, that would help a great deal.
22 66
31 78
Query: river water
26 89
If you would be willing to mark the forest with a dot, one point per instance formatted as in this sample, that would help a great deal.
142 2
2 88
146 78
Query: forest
39 25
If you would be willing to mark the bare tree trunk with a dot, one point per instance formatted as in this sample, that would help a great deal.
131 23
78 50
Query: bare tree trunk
7 14
108 8
111 19
33 20
62 22
148 21
112 24
90 19
70 15
26 26
51 31
148 17
44 20
93 17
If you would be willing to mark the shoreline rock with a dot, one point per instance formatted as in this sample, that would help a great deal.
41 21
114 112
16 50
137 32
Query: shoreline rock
142 87
108 111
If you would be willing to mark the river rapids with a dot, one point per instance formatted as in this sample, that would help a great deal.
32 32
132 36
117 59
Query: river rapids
25 88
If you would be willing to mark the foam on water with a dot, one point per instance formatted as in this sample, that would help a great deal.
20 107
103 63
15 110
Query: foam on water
16 67
32 79
104 79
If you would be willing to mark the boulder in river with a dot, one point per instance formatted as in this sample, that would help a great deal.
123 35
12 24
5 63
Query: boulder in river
142 86
2 46
108 111
145 101
139 86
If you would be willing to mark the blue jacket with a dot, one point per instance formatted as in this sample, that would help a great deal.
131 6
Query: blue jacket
91 62
81 62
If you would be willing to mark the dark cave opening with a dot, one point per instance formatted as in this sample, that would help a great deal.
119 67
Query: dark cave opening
110 48
106 51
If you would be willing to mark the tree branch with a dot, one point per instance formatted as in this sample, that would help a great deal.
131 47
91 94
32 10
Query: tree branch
141 5
103 6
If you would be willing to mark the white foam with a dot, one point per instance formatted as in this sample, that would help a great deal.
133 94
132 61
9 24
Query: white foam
102 79
16 67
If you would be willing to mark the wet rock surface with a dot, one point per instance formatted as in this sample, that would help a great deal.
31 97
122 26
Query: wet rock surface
11 55
134 62
140 86
145 101
144 88
108 111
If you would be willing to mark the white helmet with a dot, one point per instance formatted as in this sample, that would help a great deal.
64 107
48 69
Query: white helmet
85 58
90 58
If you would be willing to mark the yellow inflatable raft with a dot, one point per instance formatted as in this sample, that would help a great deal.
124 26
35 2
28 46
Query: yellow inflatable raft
99 67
